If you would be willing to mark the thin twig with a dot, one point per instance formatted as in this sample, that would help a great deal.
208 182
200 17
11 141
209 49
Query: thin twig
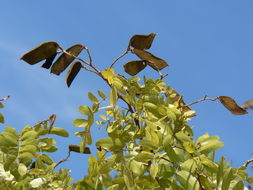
203 99
88 52
127 50
5 98
247 163
63 160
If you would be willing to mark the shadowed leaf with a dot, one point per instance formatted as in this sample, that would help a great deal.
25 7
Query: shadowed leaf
142 41
65 59
134 67
153 61
41 52
76 148
175 96
49 62
232 106
73 71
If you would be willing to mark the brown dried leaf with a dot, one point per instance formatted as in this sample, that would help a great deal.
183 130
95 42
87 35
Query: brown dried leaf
153 61
41 52
52 119
72 72
175 96
49 62
232 106
134 67
249 102
76 148
64 60
142 42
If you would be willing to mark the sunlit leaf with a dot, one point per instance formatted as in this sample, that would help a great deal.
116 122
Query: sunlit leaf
101 94
153 61
187 180
92 97
108 74
228 177
85 110
41 52
80 123
232 106
134 67
143 157
140 41
113 96
37 182
72 72
59 131
65 59
22 169
154 168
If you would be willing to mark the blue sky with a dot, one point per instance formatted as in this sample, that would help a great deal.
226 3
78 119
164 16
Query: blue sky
208 44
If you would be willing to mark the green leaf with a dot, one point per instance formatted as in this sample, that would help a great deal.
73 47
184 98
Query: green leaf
209 164
239 186
113 96
41 52
154 168
9 139
1 118
113 187
111 144
187 180
101 94
72 72
92 97
172 154
227 178
85 110
205 182
108 75
37 182
189 147
59 131
25 157
144 157
29 135
46 159
189 165
210 146
80 123
65 59
137 168
183 137
22 169
28 148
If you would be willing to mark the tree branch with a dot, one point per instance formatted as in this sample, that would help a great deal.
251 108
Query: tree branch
247 163
122 55
203 99
63 160
5 98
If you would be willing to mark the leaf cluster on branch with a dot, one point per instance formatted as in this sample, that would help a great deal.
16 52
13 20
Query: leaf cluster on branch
149 143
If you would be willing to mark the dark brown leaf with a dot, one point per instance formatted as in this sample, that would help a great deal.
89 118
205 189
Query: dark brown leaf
52 119
41 52
175 96
153 61
134 67
142 41
76 148
232 106
72 72
49 62
64 60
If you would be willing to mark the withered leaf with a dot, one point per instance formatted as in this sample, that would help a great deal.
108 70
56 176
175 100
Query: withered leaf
65 59
249 102
175 96
52 119
49 62
41 52
76 148
142 42
153 61
72 72
232 106
134 67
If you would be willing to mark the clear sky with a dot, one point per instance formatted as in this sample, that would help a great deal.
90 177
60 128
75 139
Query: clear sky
208 44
